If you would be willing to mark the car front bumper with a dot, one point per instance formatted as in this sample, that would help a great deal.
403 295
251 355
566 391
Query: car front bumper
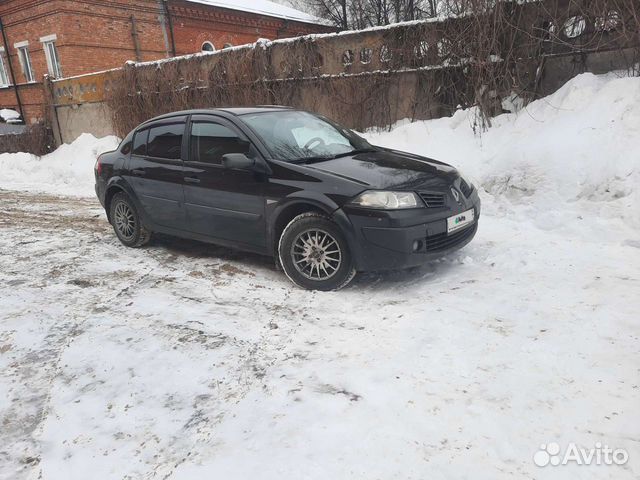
397 239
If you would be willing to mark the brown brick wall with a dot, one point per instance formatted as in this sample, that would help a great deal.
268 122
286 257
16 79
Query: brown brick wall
194 25
94 35
32 100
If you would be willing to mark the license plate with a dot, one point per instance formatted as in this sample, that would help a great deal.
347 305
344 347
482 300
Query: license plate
460 220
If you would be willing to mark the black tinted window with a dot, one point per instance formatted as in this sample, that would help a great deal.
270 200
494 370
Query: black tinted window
126 148
140 143
210 141
165 141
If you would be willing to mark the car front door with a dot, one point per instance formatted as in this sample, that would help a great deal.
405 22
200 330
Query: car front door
156 171
222 203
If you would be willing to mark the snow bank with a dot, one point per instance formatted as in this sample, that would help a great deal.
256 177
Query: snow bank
67 171
581 142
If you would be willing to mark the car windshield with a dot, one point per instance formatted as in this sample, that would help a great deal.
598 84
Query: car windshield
295 136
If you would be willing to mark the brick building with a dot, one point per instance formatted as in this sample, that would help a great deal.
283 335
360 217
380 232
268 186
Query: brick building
66 38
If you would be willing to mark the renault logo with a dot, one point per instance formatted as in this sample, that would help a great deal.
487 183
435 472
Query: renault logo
455 194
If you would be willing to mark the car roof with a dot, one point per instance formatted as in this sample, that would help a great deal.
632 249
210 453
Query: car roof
257 109
225 112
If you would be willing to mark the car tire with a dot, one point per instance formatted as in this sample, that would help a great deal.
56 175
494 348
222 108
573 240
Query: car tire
126 222
314 253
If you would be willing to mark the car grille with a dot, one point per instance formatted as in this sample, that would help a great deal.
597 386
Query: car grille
465 188
433 200
444 241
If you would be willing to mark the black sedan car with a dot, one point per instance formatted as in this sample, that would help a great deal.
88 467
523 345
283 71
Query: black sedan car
286 183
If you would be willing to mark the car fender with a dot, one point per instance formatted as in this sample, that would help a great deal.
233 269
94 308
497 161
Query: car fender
347 228
337 215
321 202
121 183
273 210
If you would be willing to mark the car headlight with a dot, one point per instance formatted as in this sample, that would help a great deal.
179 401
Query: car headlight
387 200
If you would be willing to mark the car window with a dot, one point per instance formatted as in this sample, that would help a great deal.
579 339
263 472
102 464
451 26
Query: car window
165 141
292 135
210 141
320 131
140 143
126 148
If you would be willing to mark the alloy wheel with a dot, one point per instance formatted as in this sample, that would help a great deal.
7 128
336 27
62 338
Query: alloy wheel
316 254
125 221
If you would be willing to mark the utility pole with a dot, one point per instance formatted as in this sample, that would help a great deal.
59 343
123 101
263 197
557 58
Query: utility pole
13 77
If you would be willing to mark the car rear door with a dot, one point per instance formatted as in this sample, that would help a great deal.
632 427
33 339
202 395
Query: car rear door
156 171
222 203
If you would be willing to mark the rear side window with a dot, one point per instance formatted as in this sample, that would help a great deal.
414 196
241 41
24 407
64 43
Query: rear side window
126 148
140 143
165 141
210 141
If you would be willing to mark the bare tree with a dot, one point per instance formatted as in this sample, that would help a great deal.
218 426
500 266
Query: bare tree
357 14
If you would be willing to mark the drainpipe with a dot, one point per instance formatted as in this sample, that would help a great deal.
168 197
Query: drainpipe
167 14
13 77
134 36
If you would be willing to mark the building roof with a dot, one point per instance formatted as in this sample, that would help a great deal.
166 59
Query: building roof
263 7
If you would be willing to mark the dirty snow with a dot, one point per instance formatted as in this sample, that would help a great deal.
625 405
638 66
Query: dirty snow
189 361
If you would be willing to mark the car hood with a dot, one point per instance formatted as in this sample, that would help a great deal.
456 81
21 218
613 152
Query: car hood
387 169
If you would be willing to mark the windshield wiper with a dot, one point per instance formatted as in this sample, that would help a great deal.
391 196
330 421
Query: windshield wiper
309 159
354 152
332 157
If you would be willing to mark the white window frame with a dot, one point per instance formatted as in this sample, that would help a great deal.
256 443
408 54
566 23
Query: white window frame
207 42
51 53
5 81
25 61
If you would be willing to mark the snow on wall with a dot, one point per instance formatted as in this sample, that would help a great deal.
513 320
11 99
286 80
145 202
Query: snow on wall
7 114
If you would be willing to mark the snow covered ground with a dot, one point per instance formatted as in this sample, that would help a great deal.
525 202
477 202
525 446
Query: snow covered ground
189 361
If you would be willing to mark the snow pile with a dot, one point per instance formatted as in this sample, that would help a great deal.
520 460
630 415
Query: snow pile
578 143
9 115
67 171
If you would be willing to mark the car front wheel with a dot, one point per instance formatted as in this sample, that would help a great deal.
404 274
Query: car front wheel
126 222
314 254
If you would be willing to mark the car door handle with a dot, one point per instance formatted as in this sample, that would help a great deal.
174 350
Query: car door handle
138 173
191 180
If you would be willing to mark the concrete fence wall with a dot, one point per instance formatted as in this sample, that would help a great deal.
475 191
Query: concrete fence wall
412 67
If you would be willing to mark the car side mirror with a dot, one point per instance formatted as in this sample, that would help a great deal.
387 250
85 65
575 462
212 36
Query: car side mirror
239 161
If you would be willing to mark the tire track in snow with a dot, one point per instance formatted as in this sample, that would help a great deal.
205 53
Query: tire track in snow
31 221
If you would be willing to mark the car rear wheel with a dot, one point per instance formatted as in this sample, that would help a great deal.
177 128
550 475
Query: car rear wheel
126 222
314 254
